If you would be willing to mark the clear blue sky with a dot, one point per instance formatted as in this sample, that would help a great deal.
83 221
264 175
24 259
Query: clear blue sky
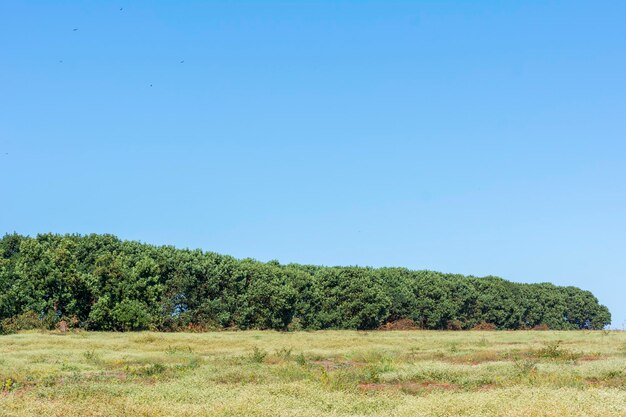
480 137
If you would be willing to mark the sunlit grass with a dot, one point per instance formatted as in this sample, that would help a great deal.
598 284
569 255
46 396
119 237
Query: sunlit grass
337 373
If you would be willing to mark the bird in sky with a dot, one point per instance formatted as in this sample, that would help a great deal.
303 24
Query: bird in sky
74 30
182 62
121 8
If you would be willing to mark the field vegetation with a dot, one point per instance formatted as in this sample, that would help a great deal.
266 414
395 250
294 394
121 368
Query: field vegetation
322 373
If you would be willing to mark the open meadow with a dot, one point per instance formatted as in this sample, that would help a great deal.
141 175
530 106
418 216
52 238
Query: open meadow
336 373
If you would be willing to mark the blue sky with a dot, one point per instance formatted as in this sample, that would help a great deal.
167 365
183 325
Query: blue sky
469 137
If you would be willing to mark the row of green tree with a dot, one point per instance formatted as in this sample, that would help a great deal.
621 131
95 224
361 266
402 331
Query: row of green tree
100 282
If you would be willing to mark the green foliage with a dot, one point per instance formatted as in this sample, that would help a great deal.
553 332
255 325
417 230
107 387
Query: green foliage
99 282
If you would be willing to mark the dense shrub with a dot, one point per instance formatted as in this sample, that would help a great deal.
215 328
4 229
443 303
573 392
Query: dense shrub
131 315
100 282
28 320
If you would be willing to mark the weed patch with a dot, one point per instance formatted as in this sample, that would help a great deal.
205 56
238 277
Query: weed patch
257 355
92 356
172 350
555 351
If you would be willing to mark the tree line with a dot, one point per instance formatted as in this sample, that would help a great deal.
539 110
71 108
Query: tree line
99 282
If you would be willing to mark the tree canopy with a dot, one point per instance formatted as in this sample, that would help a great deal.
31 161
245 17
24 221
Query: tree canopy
100 282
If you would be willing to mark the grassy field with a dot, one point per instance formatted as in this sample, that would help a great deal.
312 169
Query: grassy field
326 373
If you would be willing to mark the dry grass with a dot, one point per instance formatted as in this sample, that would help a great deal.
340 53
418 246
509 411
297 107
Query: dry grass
327 373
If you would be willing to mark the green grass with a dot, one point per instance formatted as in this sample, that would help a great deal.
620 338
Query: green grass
326 373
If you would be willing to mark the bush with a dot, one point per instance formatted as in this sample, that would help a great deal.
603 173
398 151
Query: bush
25 321
131 315
295 325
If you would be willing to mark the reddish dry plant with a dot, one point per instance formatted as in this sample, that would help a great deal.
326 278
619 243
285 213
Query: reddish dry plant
483 325
402 324
63 327
455 325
